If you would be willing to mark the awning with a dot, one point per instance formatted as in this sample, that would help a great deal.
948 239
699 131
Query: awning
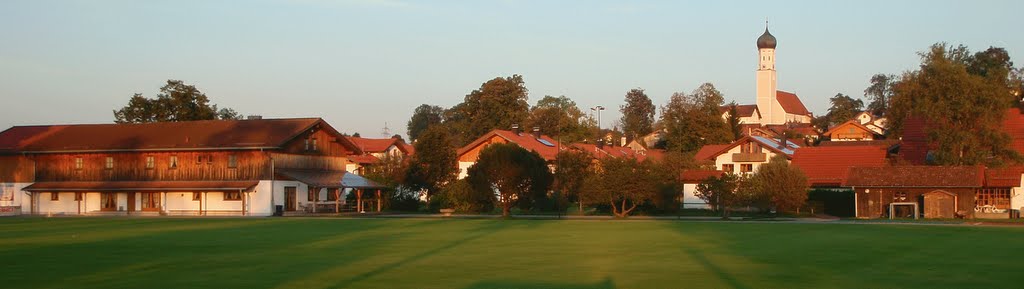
142 186
331 179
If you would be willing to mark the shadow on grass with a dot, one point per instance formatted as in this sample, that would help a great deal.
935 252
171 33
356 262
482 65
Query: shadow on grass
476 233
605 284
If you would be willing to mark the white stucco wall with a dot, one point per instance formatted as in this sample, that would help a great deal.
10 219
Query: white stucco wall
15 196
726 158
464 169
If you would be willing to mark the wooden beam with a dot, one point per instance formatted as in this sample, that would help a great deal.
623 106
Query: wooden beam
378 200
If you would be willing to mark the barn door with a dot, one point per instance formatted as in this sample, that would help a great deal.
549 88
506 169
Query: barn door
939 204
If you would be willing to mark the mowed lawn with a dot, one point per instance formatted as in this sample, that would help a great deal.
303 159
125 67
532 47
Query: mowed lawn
436 253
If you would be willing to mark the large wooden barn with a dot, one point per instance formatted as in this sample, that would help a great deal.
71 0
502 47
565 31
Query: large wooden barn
933 191
222 167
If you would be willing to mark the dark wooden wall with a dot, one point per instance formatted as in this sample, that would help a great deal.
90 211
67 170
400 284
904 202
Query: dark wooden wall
876 203
327 145
131 166
15 169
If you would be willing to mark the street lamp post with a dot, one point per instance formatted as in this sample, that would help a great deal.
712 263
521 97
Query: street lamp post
598 109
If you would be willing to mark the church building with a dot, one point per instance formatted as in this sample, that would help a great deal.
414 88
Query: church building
775 109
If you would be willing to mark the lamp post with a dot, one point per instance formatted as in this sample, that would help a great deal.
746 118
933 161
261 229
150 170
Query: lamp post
598 109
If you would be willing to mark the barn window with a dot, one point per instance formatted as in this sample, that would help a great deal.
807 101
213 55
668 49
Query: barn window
54 196
232 196
79 163
746 168
150 162
232 161
199 159
173 162
313 194
989 199
109 164
78 196
197 196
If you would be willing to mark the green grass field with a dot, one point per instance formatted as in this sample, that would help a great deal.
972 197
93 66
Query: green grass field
435 253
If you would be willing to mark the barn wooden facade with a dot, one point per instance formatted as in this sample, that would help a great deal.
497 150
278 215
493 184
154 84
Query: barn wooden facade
224 167
933 191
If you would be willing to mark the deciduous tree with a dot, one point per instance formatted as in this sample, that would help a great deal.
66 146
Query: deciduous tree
843 109
880 93
782 185
637 114
692 121
559 117
623 184
572 169
517 175
720 192
962 97
435 163
497 104
424 116
176 101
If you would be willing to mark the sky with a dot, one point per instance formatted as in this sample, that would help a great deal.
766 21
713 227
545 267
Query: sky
366 64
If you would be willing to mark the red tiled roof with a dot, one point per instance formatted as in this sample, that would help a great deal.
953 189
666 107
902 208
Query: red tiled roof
879 143
743 110
827 166
1004 177
916 176
591 149
523 139
363 159
709 152
791 103
696 176
206 134
380 145
141 186
852 122
15 138
799 128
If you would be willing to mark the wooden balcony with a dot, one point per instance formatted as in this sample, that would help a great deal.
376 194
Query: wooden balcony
749 157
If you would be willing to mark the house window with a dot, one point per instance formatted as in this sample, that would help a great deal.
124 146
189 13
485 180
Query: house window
79 163
199 159
746 168
197 196
998 198
313 195
109 164
150 162
332 194
308 142
232 196
314 145
209 159
232 161
728 168
750 147
78 196
173 162
54 196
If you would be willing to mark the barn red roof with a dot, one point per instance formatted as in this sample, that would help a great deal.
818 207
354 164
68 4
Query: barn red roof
744 110
186 135
1004 177
828 166
709 151
77 186
696 176
545 146
916 176
379 145
791 103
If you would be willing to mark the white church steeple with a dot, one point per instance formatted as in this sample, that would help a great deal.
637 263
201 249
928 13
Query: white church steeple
767 99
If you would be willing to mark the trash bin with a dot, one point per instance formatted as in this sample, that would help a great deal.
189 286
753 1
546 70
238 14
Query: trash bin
279 210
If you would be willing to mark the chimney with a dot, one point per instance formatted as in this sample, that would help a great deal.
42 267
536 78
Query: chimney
782 141
515 128
536 132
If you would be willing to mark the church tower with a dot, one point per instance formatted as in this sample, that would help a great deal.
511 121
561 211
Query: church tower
767 99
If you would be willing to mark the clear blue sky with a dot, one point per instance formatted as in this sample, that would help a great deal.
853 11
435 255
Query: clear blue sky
363 63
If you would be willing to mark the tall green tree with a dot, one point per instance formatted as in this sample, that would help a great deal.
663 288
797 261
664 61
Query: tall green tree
692 121
733 120
843 108
497 104
637 114
962 97
424 116
176 101
623 184
880 92
435 163
783 186
559 117
572 169
517 175
720 192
